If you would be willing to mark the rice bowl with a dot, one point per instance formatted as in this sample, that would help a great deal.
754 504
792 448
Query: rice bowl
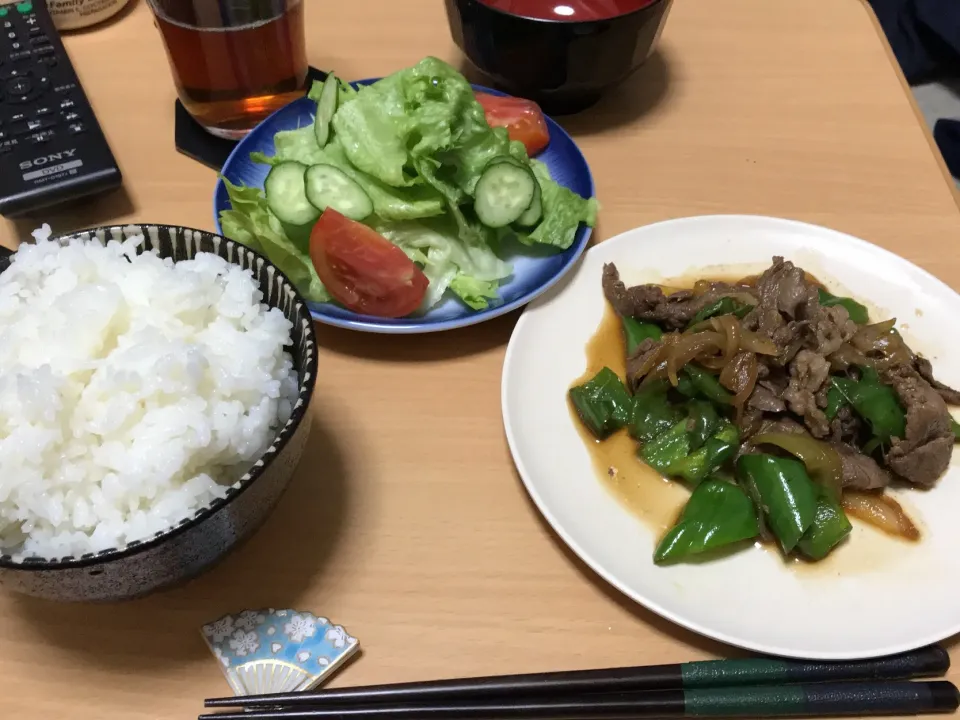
142 396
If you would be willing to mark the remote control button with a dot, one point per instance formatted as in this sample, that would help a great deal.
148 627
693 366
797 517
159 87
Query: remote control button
39 39
44 50
50 61
19 87
21 55
40 138
77 128
25 8
34 31
19 117
43 110
66 104
30 126
70 116
7 24
64 88
4 11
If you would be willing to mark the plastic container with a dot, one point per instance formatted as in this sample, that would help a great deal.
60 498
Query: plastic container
77 14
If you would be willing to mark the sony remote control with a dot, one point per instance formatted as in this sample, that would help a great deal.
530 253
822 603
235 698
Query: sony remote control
51 147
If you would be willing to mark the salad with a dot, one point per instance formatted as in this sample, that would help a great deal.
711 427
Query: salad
404 189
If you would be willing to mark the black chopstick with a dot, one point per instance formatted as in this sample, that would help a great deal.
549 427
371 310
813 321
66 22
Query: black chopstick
925 662
816 699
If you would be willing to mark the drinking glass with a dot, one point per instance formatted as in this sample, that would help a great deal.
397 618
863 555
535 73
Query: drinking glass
234 61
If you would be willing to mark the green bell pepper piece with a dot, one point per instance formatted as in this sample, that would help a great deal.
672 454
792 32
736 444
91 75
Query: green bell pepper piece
667 448
708 385
830 526
686 387
955 426
718 513
636 331
716 451
652 413
874 402
835 401
858 313
602 403
706 420
723 306
788 495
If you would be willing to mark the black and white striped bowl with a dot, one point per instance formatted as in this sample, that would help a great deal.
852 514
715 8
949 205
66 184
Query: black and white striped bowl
196 543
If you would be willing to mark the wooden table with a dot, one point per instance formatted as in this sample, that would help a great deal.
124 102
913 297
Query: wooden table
406 521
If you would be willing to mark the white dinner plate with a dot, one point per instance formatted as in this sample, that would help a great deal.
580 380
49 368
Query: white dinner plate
873 596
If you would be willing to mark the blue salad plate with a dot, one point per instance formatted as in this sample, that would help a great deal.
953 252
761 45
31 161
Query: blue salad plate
534 269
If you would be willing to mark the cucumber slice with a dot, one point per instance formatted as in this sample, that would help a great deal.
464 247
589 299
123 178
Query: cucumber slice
506 159
531 216
286 194
504 191
326 107
328 186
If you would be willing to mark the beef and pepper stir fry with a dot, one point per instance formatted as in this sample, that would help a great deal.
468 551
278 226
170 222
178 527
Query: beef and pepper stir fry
782 406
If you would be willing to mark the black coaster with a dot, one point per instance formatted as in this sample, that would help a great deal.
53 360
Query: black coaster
195 142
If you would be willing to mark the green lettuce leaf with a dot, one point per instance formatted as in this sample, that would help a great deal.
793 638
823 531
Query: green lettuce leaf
299 145
373 127
250 222
475 293
563 211
471 270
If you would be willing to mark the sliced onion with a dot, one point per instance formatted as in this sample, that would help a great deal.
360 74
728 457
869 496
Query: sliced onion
881 511
688 348
866 338
714 362
821 460
656 357
740 377
754 343
882 345
845 356
730 327
701 287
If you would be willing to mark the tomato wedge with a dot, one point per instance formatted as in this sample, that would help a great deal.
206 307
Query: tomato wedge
523 119
363 270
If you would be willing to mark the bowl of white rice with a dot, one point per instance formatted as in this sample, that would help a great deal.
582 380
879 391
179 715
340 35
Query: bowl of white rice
153 406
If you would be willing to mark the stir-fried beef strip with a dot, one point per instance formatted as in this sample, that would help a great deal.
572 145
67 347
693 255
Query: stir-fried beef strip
650 304
647 302
811 341
639 357
846 426
923 455
809 372
949 395
860 472
766 400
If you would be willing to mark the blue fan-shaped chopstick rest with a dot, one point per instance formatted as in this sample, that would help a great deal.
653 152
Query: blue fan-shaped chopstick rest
272 651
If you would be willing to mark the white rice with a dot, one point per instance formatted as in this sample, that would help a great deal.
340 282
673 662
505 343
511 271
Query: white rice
133 391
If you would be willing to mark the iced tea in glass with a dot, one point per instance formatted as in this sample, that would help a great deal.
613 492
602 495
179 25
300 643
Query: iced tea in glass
234 61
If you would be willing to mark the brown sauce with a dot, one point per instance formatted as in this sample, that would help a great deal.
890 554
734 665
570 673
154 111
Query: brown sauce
658 501
639 487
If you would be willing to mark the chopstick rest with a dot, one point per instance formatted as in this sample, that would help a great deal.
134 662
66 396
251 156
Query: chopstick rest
277 651
926 662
